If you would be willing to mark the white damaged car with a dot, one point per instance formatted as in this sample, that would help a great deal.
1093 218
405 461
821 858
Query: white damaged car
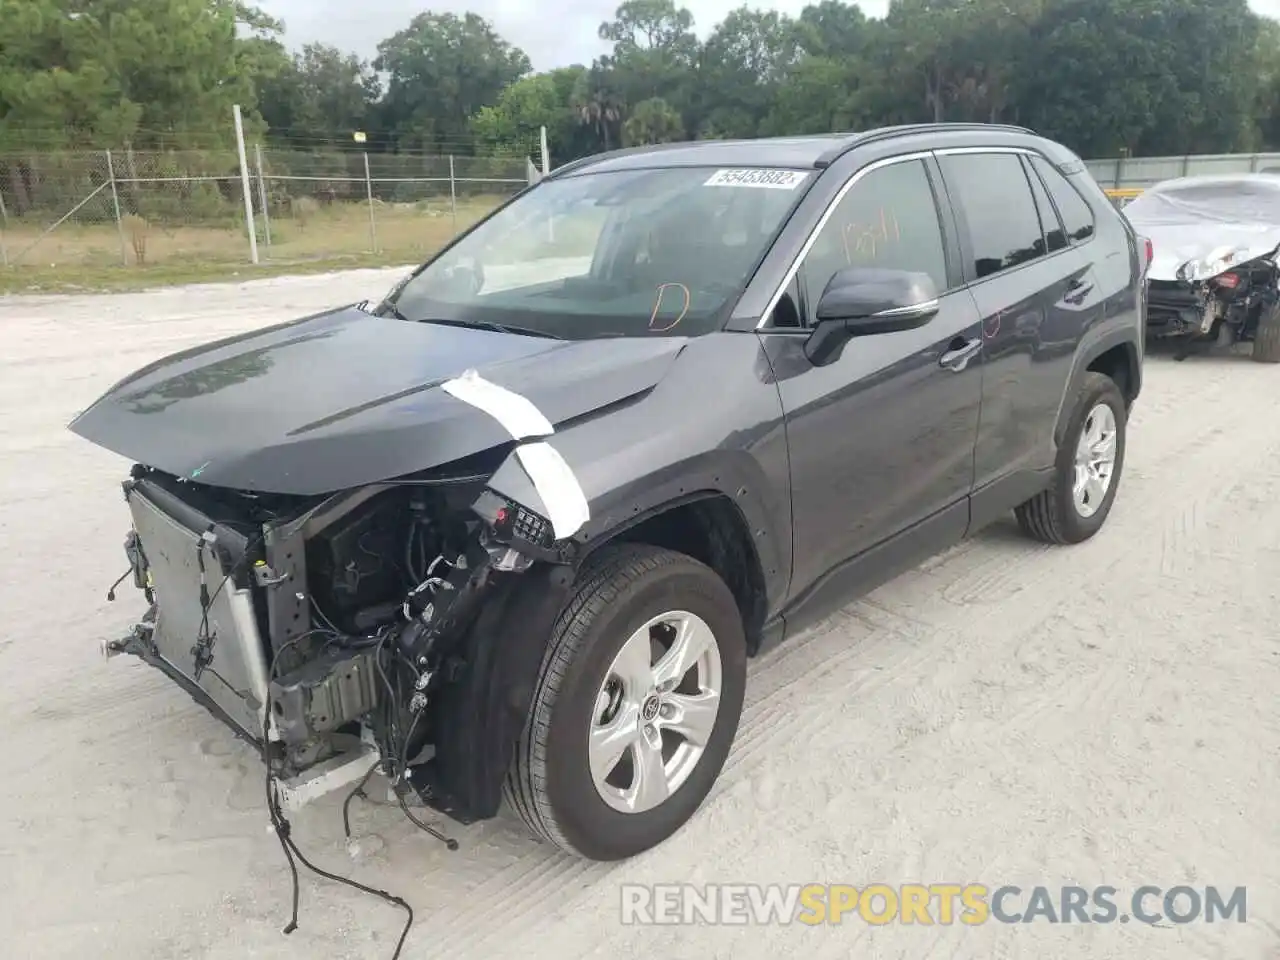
1213 274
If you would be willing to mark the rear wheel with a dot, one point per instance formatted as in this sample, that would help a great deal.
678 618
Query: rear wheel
636 706
1088 468
1266 341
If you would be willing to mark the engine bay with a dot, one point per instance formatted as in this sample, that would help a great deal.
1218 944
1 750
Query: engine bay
363 607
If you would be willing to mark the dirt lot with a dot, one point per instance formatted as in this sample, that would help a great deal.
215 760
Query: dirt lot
1004 714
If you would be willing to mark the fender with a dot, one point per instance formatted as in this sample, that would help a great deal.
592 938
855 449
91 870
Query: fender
629 462
734 475
485 709
649 455
1090 350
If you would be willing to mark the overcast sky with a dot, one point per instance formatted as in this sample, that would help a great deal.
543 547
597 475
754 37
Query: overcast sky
552 33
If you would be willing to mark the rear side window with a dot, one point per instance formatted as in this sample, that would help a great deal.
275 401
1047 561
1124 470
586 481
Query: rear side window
1077 217
1004 228
1054 236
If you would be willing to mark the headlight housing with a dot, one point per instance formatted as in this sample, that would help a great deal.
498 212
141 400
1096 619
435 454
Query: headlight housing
1214 263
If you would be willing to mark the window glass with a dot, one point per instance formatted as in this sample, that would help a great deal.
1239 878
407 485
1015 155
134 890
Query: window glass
1050 225
633 253
1076 215
888 219
1004 230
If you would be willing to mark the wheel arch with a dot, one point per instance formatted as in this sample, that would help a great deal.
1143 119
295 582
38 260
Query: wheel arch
1115 354
716 507
710 527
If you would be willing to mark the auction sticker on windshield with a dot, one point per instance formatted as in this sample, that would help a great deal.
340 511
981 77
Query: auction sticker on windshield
757 177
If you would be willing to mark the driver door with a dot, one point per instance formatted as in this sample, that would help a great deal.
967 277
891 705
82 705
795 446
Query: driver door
882 439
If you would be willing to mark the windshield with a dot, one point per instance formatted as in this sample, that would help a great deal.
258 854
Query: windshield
624 253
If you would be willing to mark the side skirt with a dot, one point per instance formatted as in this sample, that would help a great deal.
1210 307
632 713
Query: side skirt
873 568
884 562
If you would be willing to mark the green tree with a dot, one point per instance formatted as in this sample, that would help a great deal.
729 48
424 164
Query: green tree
652 121
110 71
655 57
319 92
743 66
442 69
598 106
1170 76
514 123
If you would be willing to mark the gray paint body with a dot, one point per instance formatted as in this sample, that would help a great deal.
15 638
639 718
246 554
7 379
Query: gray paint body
843 473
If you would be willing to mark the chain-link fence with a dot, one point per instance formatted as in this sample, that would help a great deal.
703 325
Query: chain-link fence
126 208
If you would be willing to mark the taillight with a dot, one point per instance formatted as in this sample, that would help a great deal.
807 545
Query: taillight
1151 250
1227 280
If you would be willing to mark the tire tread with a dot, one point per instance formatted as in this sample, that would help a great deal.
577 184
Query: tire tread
606 578
1043 516
1266 339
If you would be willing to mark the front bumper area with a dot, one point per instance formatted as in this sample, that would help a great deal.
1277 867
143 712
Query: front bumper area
212 649
435 688
202 632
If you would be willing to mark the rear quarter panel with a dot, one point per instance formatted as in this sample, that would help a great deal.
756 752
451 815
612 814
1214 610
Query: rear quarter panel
1117 263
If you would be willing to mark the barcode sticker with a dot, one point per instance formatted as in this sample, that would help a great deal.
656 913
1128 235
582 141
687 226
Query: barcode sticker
758 178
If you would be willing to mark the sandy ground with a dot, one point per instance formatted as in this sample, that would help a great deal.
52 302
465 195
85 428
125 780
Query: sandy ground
1004 714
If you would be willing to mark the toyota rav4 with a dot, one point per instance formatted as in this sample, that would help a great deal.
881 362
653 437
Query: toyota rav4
518 527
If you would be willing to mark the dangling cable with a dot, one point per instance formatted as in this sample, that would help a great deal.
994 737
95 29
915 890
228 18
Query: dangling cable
284 829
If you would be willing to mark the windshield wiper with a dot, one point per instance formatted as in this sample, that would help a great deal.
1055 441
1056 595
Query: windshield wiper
387 308
495 327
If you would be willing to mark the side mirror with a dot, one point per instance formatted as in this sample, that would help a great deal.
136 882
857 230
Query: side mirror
861 301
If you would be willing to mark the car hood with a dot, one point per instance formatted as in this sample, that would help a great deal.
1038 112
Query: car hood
345 398
1174 244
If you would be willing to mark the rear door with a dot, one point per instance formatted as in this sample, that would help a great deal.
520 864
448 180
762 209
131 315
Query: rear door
1036 293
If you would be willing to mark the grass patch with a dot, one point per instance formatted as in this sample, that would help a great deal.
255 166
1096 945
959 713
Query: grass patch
95 256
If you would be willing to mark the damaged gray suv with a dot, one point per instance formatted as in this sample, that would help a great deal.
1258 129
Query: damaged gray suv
517 529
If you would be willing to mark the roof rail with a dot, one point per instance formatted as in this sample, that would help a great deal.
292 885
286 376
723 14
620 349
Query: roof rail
888 133
574 165
642 148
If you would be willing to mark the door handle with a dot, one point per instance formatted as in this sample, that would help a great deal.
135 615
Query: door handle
1077 290
959 353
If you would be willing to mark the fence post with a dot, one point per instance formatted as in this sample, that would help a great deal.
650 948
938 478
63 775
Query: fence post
244 186
115 202
262 196
1186 165
4 225
453 195
546 153
368 189
1253 163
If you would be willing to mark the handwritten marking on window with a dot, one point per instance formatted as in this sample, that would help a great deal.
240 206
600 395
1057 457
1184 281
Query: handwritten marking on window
657 305
864 240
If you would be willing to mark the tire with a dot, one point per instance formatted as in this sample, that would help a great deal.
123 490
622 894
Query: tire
550 785
1266 341
1053 515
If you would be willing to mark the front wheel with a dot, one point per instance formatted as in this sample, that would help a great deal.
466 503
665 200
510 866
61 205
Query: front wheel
636 706
1087 473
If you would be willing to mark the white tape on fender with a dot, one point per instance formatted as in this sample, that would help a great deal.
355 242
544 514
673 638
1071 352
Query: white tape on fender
559 488
552 477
